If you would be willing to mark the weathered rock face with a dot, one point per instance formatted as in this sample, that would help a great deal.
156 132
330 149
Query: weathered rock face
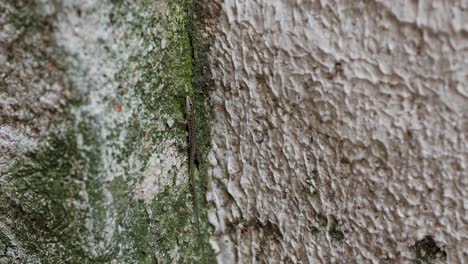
89 170
340 131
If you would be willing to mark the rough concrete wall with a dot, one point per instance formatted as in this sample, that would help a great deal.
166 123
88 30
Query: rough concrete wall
89 170
340 131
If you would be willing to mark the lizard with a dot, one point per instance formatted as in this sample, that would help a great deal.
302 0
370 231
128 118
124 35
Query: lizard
192 152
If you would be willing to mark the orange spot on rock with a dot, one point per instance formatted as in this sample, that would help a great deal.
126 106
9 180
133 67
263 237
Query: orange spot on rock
118 108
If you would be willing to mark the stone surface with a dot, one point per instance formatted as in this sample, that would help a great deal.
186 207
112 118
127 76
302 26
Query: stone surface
340 132
89 170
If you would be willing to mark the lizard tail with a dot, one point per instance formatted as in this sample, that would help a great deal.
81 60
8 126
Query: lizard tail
197 215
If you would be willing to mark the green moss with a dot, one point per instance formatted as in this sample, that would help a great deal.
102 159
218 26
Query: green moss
56 194
44 184
166 78
427 251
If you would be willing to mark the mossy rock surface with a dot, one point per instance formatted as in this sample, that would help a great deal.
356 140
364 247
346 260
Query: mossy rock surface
106 180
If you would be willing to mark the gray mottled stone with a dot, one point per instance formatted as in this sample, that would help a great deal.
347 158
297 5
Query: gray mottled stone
89 171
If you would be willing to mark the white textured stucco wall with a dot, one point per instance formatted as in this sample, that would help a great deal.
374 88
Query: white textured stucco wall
340 131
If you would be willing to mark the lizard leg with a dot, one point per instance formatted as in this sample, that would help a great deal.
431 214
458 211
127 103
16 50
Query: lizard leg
172 122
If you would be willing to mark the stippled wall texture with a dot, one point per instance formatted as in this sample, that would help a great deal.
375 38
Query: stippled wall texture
340 131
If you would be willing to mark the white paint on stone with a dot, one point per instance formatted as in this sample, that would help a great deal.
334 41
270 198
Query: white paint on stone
340 130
